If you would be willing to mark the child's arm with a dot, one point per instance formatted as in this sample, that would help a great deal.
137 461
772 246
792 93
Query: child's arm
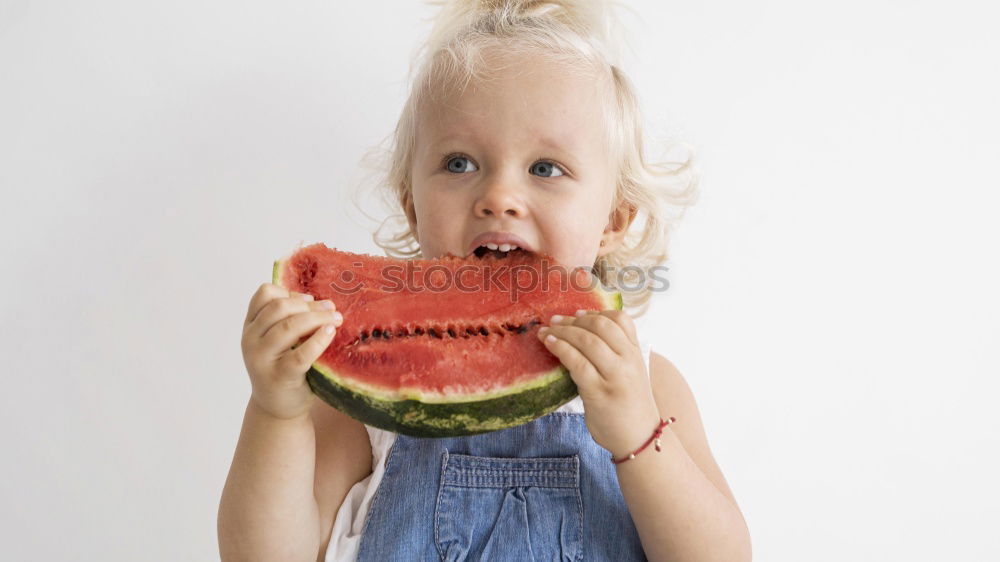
269 508
679 499
275 505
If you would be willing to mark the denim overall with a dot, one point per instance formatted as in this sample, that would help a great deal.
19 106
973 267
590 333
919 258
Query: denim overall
542 491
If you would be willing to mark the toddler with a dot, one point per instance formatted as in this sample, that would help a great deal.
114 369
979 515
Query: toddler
520 134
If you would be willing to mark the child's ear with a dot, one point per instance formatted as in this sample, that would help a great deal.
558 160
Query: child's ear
406 201
618 222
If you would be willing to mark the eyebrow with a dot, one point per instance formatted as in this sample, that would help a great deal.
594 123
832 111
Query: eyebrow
551 143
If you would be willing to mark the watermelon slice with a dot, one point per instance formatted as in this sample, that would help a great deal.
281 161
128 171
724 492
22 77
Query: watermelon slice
441 347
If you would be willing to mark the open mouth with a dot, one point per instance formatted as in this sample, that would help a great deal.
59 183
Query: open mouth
499 251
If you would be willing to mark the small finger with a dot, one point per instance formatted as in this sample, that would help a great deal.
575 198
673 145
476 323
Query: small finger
280 337
608 330
279 309
266 293
625 321
299 359
590 345
580 369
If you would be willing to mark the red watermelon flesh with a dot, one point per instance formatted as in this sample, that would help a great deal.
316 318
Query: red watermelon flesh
459 334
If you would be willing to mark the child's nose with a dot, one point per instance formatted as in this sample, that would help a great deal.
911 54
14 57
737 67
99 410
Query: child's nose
499 197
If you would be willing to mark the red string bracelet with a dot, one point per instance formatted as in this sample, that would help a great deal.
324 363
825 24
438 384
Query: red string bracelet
655 437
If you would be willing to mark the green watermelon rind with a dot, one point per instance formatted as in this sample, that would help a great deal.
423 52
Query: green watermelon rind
449 419
445 419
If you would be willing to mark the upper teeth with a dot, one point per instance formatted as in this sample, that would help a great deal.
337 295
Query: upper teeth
501 247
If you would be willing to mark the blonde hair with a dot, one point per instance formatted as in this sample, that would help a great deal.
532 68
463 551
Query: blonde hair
580 36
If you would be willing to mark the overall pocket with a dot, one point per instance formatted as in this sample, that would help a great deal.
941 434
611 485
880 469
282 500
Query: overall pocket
498 509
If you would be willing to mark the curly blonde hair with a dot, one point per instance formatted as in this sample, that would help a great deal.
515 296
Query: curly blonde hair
580 36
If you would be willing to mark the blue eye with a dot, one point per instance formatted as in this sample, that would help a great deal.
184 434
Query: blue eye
457 164
546 169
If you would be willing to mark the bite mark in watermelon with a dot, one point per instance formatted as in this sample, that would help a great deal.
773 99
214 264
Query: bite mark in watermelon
441 347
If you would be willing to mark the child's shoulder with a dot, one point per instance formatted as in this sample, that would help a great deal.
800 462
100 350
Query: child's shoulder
674 398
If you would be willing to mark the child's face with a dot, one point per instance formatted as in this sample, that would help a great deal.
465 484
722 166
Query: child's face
524 154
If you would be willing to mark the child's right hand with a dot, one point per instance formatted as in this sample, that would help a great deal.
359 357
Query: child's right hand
276 320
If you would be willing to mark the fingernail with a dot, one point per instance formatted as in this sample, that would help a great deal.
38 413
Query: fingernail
543 329
338 317
581 312
328 329
550 338
555 318
306 297
326 305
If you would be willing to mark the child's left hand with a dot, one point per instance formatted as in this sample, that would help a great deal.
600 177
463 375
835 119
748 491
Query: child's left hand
602 354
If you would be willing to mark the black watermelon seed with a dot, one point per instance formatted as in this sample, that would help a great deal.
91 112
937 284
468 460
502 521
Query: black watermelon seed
484 331
376 333
434 333
522 328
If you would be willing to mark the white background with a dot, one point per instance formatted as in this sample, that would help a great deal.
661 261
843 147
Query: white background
833 299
